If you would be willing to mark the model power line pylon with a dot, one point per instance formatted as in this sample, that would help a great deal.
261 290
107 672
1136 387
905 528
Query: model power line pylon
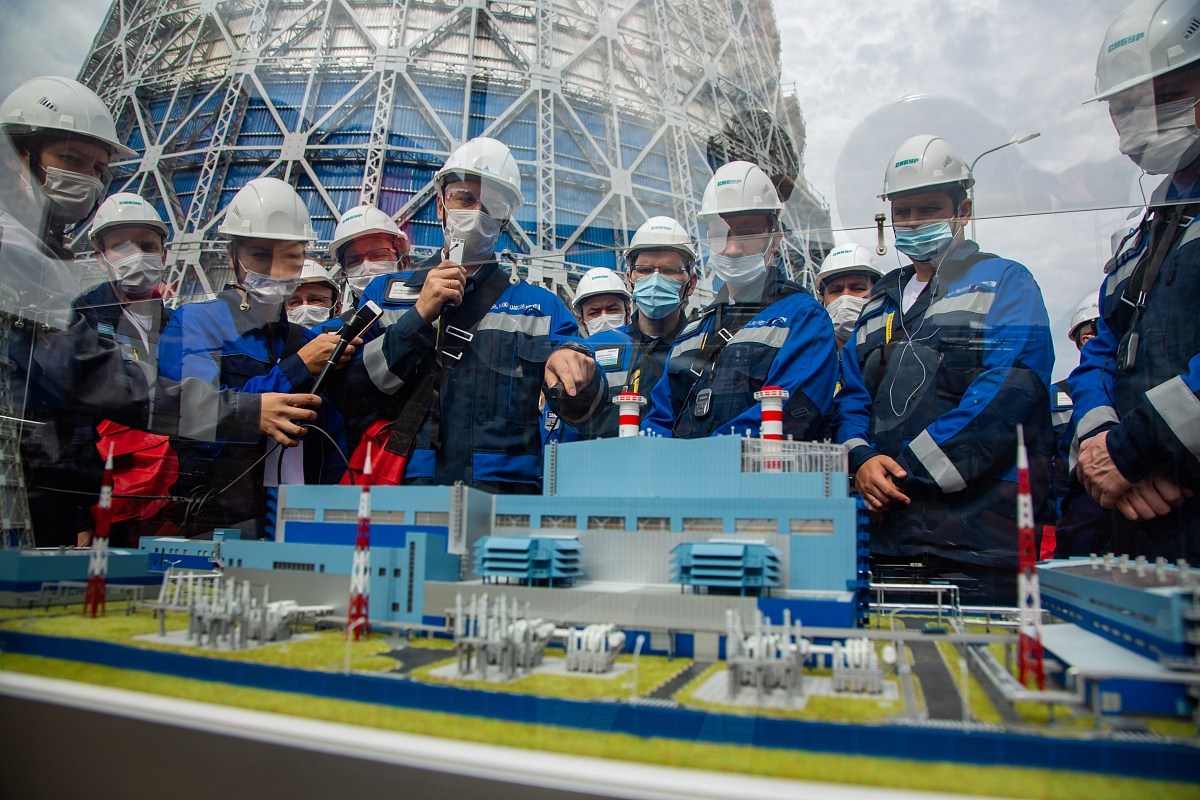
95 596
1029 601
360 571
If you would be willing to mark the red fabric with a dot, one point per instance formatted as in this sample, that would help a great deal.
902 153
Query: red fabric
387 467
1048 542
143 464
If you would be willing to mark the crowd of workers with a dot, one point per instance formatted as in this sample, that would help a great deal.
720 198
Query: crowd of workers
925 373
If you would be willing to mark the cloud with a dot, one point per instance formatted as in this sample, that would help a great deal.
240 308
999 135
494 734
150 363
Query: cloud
1000 69
46 37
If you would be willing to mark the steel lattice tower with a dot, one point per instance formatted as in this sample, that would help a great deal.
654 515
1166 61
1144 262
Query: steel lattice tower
617 110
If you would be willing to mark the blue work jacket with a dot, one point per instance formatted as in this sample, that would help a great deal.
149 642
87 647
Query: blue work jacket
484 427
1150 406
941 389
788 342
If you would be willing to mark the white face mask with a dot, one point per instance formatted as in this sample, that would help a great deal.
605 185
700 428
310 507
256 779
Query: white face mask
604 322
137 274
361 276
72 195
738 271
269 291
1160 139
844 312
308 315
478 232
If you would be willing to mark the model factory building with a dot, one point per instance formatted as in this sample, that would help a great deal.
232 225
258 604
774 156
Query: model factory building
629 504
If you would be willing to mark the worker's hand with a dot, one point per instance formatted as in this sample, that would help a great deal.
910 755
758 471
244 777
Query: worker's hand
317 352
84 538
571 368
281 414
444 285
1098 474
1154 496
876 482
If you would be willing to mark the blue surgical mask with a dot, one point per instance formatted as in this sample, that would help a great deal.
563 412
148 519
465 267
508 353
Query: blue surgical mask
657 296
925 242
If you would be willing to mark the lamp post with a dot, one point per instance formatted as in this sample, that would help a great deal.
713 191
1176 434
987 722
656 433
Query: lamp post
971 169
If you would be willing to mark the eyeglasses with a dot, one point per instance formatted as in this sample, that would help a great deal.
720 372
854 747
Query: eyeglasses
490 200
353 260
674 273
295 301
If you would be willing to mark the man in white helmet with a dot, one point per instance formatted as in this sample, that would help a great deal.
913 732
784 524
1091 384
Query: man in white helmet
949 355
762 330
463 365
243 339
660 268
57 140
1136 391
315 300
847 276
601 301
367 243
128 237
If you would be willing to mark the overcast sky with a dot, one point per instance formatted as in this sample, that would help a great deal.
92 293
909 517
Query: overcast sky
989 70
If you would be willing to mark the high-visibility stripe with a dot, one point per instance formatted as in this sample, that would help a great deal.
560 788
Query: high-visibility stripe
768 335
375 362
937 463
515 323
1180 409
199 410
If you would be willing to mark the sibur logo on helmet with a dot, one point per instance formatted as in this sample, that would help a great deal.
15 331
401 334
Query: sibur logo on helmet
906 162
729 181
1137 37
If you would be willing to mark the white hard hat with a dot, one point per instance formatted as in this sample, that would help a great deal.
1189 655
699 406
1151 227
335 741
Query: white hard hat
847 258
267 208
492 162
362 221
312 272
1149 38
599 280
739 187
1086 310
124 208
662 233
61 104
1122 231
923 162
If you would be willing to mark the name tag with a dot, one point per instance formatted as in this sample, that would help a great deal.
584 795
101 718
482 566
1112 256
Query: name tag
106 329
398 291
608 357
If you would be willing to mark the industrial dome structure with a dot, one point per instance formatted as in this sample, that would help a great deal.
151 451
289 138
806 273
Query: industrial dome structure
615 111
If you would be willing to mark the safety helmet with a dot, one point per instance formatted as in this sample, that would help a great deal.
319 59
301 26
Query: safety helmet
739 187
267 208
662 233
492 162
60 104
847 258
124 208
362 221
312 272
1086 310
1148 39
599 280
923 162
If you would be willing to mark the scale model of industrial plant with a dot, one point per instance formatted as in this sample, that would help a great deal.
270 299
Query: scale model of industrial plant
740 559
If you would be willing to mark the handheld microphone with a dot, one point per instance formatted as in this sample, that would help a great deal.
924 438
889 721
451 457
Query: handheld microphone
359 321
